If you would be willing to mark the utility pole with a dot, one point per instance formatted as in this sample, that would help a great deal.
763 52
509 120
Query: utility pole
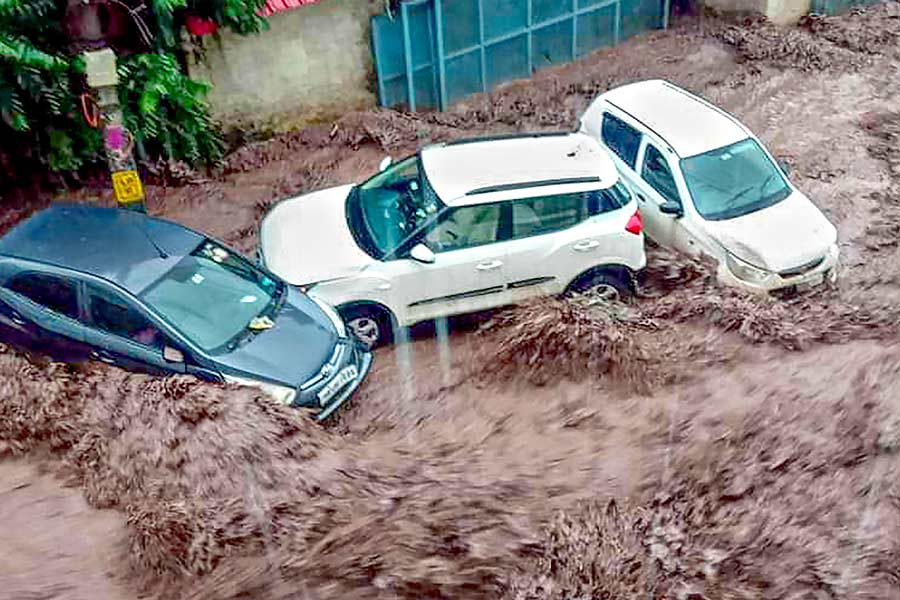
102 78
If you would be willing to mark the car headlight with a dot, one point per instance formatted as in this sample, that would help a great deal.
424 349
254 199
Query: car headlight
333 315
745 271
281 393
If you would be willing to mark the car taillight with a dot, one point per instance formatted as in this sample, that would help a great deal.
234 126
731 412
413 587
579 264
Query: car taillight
635 225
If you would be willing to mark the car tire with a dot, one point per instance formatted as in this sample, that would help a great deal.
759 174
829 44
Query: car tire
372 325
611 284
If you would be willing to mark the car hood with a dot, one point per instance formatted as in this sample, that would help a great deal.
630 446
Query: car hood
292 351
780 237
306 239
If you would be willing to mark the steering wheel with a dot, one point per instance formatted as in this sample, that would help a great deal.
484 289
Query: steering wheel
406 208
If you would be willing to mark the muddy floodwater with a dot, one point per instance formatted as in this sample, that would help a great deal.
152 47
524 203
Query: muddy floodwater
700 445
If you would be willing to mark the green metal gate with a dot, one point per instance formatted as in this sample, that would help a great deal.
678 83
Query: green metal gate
836 7
435 52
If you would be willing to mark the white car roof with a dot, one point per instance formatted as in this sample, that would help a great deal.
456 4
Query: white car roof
688 124
516 166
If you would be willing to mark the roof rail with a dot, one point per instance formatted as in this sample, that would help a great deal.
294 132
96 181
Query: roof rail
507 136
505 187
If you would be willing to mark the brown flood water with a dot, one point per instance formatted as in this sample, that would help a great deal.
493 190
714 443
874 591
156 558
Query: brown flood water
703 445
54 544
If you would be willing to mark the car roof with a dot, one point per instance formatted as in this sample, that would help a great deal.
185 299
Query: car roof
688 124
490 169
111 243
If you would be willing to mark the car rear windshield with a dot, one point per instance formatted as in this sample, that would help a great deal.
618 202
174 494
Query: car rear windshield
733 181
211 296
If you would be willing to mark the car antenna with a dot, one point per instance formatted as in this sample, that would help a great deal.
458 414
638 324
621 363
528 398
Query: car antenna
160 251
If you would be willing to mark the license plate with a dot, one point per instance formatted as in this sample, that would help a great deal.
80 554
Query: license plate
815 281
345 376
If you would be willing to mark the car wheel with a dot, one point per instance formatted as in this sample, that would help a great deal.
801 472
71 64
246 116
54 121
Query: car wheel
371 325
607 285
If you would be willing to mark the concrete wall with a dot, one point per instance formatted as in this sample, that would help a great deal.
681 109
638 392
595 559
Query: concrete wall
782 12
313 63
786 11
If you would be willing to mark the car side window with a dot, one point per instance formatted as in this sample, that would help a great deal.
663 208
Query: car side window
465 227
621 138
657 173
545 214
113 314
50 291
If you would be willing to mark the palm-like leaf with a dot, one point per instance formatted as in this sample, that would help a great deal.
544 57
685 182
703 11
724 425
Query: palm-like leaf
166 111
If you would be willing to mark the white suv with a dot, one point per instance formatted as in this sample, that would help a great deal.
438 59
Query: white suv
705 184
461 227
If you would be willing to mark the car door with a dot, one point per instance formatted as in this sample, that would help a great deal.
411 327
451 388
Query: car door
551 243
622 139
655 186
467 273
41 312
122 334
15 328
626 145
661 181
628 148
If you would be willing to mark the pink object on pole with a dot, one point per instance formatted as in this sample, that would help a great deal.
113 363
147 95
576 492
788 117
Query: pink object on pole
115 138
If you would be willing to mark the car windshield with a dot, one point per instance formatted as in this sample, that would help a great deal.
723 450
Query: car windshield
733 181
212 295
396 203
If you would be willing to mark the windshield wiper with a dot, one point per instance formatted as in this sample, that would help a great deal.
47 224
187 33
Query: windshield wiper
737 197
278 300
239 338
762 187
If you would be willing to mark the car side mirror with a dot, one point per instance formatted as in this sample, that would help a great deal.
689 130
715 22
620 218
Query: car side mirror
385 163
784 166
422 253
173 355
670 207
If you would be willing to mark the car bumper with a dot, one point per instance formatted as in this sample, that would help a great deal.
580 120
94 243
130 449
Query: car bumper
826 271
357 356
364 367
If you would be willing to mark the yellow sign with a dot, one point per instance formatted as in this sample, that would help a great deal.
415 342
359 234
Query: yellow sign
127 186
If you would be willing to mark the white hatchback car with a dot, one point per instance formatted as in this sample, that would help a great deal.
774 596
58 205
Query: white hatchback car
706 185
461 227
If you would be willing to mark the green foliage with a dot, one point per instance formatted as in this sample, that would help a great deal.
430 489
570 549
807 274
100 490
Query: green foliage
238 15
35 20
40 126
168 113
41 123
167 30
26 55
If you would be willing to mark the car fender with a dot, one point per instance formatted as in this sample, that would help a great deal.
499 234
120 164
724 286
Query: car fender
356 290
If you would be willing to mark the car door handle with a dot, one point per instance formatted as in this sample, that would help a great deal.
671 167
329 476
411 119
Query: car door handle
586 245
17 319
487 266
103 357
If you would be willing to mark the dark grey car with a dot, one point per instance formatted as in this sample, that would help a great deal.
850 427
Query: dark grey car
89 283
